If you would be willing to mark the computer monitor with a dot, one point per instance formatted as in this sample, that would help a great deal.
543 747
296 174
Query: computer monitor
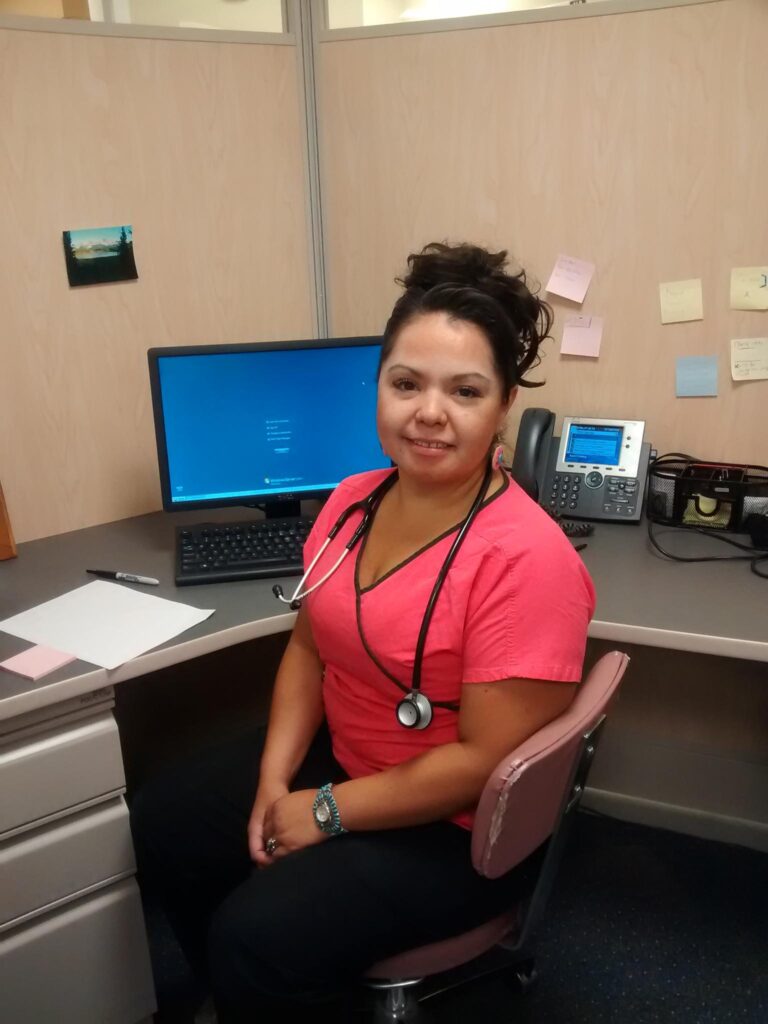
264 424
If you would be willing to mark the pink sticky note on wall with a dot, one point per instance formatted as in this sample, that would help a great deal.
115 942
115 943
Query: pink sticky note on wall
36 662
570 278
582 336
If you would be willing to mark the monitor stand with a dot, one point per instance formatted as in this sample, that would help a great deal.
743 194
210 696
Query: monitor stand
290 508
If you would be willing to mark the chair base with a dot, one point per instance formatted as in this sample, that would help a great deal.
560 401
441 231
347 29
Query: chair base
397 1004
401 1002
522 976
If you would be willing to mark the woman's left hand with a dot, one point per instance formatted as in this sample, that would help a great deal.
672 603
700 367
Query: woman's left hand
290 822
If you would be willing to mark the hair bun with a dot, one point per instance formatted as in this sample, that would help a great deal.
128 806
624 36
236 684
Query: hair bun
466 282
463 264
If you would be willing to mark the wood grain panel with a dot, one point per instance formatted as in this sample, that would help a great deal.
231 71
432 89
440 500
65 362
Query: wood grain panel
198 146
636 141
7 542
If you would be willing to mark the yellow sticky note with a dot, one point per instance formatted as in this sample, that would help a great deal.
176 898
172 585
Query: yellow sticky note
680 301
749 288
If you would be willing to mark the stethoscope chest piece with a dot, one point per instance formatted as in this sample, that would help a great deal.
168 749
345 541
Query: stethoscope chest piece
414 711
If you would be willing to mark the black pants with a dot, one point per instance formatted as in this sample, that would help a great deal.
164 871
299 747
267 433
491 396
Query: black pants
304 929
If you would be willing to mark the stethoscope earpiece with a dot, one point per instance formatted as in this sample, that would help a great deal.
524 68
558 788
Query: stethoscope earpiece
292 602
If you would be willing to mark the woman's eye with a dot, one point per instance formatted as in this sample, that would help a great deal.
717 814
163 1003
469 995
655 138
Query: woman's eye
465 391
404 384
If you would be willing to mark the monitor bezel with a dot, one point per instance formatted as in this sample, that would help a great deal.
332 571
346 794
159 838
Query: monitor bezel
258 500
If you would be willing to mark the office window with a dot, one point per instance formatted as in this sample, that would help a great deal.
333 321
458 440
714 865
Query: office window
362 13
227 15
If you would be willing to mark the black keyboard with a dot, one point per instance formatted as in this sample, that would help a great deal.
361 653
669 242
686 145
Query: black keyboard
221 552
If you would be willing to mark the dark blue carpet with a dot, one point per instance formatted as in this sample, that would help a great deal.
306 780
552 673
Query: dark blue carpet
644 926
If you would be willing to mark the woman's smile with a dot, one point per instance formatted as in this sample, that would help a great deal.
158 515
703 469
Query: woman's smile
429 447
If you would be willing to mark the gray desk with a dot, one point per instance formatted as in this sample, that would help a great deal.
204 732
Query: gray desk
60 757
55 565
642 598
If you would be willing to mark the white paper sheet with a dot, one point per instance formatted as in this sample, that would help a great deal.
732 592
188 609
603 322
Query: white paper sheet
104 623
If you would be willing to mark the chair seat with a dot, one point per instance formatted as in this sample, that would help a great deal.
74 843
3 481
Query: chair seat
442 956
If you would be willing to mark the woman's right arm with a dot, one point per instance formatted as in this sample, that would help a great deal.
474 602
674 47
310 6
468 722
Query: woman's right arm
294 717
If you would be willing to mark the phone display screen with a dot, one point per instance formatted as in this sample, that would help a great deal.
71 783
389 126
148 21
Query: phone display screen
593 443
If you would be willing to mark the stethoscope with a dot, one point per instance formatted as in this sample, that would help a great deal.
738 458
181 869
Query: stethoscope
414 711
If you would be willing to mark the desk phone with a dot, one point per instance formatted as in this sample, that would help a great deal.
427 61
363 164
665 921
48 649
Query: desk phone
597 469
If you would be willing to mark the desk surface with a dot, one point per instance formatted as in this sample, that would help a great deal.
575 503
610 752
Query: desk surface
642 598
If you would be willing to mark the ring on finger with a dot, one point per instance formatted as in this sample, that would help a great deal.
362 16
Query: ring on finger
271 846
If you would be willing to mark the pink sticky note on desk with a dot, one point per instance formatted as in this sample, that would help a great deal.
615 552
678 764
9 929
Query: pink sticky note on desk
570 278
36 662
582 336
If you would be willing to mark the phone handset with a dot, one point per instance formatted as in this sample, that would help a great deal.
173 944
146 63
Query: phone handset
534 439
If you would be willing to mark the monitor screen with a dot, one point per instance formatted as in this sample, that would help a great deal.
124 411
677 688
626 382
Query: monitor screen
250 424
594 443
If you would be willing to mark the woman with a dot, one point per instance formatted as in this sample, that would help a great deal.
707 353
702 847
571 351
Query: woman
365 793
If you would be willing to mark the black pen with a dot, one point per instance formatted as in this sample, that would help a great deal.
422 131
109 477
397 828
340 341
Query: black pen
126 577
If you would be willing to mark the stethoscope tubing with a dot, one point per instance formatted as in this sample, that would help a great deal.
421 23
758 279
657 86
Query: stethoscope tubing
295 601
368 506
449 559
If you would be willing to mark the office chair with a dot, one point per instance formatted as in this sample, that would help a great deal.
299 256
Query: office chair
529 802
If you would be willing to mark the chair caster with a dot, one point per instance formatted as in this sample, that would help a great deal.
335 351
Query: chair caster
522 977
397 1006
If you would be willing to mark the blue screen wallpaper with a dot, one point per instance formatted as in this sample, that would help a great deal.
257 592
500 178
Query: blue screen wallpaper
261 423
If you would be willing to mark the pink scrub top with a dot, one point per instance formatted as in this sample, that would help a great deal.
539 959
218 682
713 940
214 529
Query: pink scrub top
516 603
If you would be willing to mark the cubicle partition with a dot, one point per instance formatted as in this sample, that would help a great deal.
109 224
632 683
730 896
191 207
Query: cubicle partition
634 141
199 147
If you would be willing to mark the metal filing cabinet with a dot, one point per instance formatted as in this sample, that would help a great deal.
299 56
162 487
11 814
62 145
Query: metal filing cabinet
72 940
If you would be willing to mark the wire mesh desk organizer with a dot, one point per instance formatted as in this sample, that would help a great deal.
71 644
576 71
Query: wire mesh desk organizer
713 499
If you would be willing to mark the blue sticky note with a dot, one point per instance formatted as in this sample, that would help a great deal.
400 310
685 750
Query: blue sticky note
695 376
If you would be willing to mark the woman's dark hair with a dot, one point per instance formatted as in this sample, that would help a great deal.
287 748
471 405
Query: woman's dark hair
470 283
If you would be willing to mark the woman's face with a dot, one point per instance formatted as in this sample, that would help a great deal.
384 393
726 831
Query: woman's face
440 399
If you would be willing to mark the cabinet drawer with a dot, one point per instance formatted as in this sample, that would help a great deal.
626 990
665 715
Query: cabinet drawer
84 964
54 863
59 769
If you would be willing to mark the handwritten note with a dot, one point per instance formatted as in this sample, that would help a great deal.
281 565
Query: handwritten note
570 278
749 288
695 376
582 336
681 301
749 358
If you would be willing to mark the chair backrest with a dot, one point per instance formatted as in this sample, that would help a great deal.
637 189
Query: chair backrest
525 796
